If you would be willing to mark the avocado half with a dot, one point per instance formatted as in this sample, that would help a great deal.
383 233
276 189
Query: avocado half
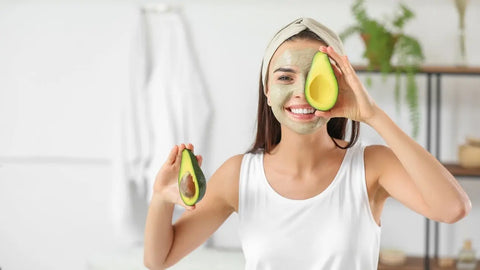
191 180
321 87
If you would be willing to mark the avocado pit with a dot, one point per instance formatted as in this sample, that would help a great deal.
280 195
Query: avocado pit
187 186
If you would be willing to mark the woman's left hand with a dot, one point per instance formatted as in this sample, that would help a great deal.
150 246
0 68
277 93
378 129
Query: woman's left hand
353 100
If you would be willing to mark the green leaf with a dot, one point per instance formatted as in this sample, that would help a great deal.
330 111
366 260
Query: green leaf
385 41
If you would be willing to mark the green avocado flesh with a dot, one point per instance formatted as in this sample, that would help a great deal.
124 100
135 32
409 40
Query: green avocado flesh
191 181
321 87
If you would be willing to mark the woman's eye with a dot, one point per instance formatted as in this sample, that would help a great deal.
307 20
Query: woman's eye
285 78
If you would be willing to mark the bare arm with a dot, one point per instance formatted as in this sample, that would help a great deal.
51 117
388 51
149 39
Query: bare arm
166 244
416 178
405 170
158 233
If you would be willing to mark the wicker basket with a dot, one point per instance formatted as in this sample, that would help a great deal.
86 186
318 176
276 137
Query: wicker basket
392 257
469 156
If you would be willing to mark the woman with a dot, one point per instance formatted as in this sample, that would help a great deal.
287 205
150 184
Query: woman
306 198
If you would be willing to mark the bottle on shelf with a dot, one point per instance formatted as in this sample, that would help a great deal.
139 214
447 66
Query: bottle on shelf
466 258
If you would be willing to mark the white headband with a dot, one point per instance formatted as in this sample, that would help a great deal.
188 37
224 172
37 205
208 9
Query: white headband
294 28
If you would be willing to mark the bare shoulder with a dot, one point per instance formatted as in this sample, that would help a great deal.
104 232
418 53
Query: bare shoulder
224 182
230 168
378 153
378 158
233 162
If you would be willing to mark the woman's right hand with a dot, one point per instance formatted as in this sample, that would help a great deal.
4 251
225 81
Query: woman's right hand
353 102
166 181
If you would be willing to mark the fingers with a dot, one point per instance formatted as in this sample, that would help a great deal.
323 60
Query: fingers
342 61
199 160
176 153
199 157
179 153
190 208
335 67
187 207
336 70
172 156
332 53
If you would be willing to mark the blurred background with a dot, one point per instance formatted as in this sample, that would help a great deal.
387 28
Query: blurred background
94 93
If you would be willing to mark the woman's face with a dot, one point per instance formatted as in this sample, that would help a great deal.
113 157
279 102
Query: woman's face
285 87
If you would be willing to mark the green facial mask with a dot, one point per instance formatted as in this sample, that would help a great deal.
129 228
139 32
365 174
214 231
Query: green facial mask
280 94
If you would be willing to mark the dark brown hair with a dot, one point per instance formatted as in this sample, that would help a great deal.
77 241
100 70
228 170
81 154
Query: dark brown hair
268 127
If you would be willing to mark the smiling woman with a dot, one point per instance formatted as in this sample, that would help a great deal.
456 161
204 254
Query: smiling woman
305 197
266 120
290 65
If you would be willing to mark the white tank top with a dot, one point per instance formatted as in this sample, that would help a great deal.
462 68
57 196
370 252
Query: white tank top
334 230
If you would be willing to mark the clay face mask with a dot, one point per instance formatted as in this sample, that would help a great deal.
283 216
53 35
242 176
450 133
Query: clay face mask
286 91
293 28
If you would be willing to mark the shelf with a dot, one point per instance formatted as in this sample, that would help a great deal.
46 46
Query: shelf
458 170
412 263
417 263
452 70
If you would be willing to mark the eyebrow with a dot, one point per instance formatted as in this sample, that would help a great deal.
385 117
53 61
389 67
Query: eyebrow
284 70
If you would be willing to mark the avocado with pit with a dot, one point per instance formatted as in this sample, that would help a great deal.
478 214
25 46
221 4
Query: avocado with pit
191 180
321 87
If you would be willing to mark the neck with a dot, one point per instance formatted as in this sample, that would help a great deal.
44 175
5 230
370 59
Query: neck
302 152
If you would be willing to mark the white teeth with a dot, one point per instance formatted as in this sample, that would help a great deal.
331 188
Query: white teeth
303 111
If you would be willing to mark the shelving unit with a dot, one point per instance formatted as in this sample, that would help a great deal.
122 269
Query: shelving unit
417 263
436 72
458 170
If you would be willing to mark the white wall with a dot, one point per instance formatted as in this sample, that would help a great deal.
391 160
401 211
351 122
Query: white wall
61 69
63 65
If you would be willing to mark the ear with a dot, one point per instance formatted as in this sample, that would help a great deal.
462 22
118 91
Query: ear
265 92
264 82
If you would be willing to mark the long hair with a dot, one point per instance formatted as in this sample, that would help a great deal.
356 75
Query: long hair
269 130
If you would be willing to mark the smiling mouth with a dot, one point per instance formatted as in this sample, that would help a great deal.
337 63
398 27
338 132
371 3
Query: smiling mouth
301 111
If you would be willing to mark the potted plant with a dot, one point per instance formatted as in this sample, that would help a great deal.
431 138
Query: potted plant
390 50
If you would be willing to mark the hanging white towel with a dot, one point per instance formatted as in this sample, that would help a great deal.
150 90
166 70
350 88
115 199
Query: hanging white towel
167 104
179 106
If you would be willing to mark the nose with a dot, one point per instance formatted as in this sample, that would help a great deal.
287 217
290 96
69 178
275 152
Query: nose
299 92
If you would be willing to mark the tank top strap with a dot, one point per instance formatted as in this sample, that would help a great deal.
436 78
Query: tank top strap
249 184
